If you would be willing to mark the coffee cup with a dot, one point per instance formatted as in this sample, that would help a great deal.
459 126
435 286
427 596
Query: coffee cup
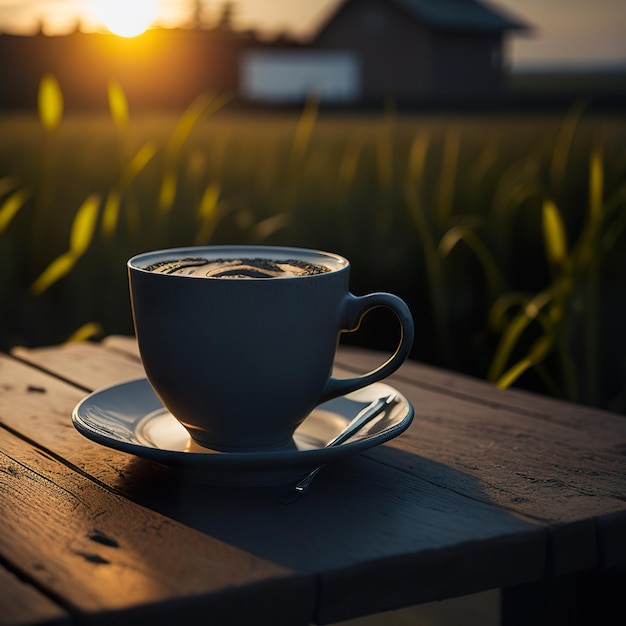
238 342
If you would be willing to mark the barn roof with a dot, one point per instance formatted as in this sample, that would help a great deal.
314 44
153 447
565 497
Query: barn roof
460 14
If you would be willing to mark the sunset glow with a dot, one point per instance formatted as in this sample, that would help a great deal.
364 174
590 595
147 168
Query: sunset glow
566 33
126 18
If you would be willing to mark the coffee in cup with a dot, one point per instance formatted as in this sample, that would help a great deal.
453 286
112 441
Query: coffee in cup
200 267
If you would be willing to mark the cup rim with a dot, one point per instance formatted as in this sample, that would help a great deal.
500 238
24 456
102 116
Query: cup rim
331 260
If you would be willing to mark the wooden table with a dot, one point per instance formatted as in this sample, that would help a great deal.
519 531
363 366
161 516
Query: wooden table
487 489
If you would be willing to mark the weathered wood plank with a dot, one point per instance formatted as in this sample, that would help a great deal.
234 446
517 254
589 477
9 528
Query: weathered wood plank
102 552
552 462
575 454
357 516
79 363
549 462
475 390
22 604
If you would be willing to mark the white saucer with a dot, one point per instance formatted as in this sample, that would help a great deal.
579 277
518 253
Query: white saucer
131 418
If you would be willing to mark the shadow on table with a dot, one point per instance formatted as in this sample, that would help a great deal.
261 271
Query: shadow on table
360 506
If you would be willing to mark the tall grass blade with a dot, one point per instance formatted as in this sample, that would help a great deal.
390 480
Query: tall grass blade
207 213
81 234
167 194
498 317
10 207
537 353
349 163
512 333
110 213
113 202
270 225
384 155
596 185
617 226
447 177
50 102
417 157
591 253
460 233
304 129
562 148
118 105
84 225
205 104
434 269
60 267
90 330
479 169
143 156
555 237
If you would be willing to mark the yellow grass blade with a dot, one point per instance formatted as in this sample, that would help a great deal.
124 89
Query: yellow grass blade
50 102
208 203
90 330
554 233
81 234
267 227
564 141
537 353
59 268
205 104
447 178
143 156
514 330
349 163
484 162
417 157
384 159
462 233
118 105
84 225
207 213
497 316
305 127
10 207
596 185
111 213
167 194
188 120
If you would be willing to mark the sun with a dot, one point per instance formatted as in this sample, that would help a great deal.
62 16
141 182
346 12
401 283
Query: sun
126 18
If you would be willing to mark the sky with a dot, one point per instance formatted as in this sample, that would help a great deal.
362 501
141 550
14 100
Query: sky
567 33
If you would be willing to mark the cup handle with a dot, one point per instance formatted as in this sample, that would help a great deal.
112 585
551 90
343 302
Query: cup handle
355 308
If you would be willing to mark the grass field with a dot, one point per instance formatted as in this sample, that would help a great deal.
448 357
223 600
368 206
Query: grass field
503 232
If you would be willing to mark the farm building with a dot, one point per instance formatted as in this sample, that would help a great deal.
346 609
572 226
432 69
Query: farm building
367 50
412 50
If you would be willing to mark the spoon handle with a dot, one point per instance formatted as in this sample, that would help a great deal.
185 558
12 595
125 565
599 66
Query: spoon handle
361 419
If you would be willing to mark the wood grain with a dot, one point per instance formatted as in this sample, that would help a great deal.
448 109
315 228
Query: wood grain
21 604
363 538
485 488
99 550
560 464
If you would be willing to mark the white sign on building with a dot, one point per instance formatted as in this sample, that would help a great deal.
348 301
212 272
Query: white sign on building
286 76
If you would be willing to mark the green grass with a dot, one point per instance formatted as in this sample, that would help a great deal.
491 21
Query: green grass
504 233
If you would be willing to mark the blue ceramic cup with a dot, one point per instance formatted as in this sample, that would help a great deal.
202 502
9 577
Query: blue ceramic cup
241 359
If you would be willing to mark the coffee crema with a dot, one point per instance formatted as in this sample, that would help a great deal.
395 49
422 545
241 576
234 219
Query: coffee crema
238 268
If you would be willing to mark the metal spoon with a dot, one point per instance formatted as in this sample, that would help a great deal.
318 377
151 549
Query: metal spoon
361 419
